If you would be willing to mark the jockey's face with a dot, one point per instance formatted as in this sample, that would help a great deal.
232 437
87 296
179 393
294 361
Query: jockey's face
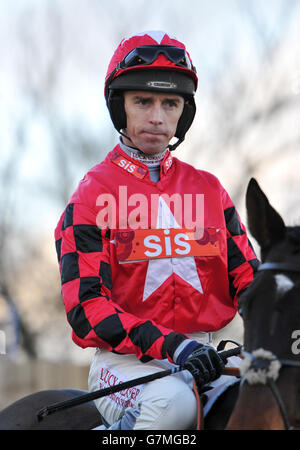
152 119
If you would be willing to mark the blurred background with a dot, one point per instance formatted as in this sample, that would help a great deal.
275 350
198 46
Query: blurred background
54 126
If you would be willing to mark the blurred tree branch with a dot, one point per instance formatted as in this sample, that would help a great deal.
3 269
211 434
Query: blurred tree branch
248 101
8 224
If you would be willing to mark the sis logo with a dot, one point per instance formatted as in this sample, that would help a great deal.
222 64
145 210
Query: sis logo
139 245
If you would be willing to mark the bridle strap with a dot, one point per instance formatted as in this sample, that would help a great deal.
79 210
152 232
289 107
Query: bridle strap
289 267
275 391
289 362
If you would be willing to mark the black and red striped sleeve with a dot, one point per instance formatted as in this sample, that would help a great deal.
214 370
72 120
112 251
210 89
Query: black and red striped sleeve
83 252
241 258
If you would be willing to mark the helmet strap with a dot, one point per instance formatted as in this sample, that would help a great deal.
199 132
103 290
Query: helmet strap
173 147
124 135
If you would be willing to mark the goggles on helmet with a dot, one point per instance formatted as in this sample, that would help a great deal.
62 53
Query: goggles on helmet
147 54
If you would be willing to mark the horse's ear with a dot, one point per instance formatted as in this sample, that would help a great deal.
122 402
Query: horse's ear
265 224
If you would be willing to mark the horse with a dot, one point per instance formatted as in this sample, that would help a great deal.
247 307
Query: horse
269 394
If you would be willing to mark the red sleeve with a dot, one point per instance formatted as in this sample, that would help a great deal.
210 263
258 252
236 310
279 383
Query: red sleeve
242 261
86 280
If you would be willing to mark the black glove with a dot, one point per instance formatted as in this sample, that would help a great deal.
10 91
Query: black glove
204 363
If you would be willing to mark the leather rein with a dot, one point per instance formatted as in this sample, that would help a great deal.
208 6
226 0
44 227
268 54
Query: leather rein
262 365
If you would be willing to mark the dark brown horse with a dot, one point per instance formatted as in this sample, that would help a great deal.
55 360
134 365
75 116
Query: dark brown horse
269 396
22 414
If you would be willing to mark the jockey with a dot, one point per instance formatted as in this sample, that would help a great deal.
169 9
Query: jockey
152 253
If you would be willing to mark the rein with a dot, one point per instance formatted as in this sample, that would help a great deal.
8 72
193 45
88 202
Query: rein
261 366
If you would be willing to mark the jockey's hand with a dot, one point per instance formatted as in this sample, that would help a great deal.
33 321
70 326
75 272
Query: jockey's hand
203 361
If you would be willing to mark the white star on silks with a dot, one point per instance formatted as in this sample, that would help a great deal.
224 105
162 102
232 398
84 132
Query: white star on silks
159 270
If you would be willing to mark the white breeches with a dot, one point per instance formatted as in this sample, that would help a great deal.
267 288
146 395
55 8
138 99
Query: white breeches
164 404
